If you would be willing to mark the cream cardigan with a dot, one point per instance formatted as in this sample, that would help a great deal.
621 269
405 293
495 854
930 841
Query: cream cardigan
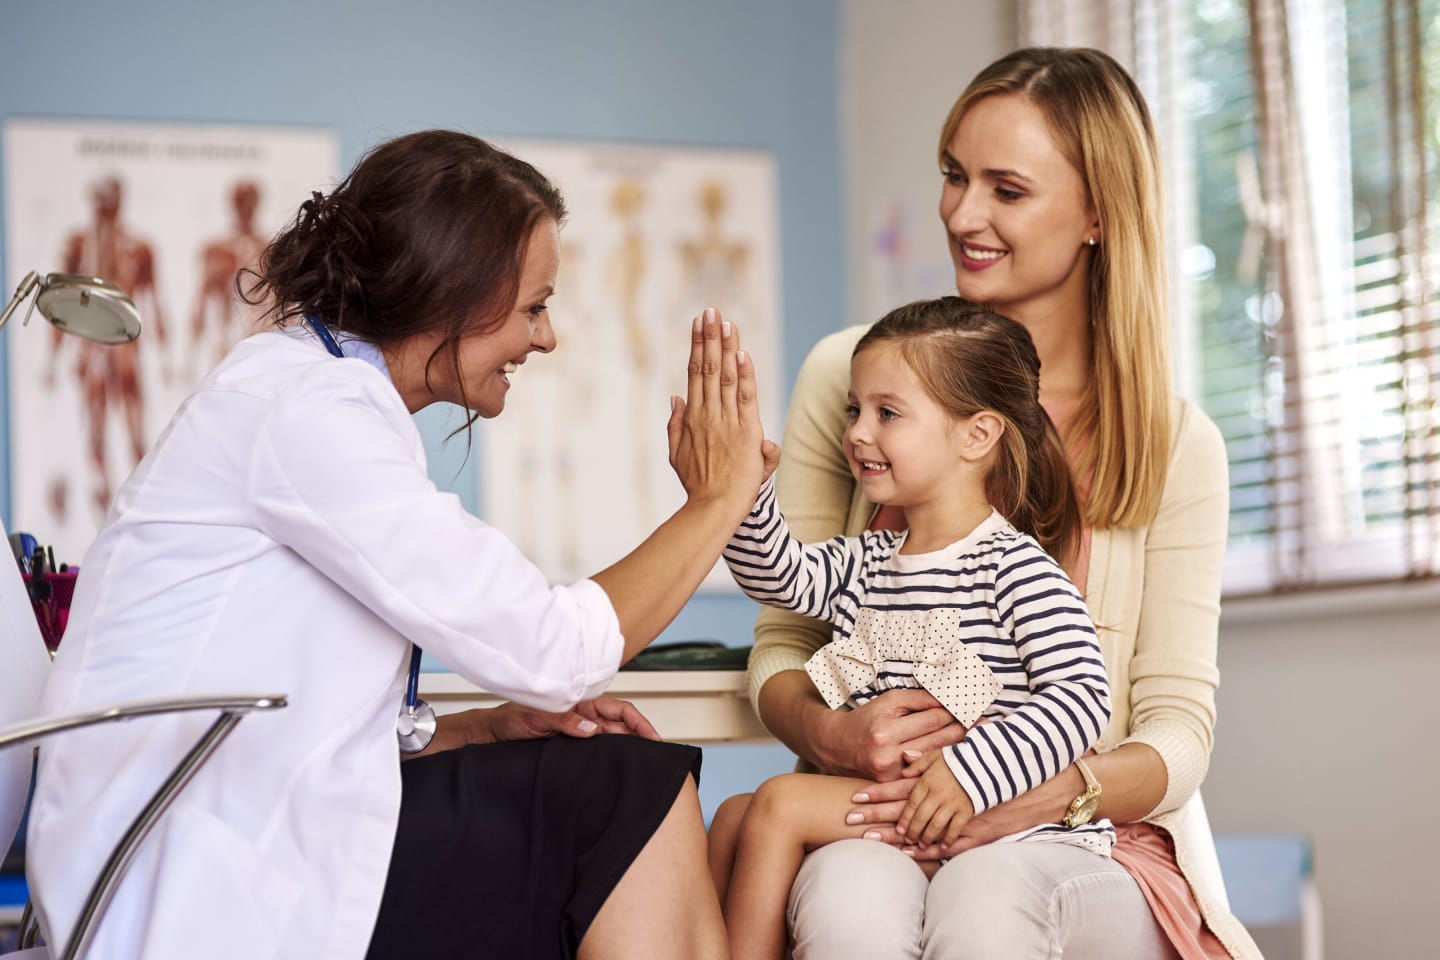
1153 592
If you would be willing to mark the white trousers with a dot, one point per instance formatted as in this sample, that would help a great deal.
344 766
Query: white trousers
1003 901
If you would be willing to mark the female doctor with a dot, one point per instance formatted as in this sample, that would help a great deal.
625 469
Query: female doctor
282 535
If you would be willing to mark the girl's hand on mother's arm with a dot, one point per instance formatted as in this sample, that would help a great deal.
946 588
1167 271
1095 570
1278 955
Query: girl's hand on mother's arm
1132 777
1047 803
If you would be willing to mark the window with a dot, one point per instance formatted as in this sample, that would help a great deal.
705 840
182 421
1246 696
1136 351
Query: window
1300 140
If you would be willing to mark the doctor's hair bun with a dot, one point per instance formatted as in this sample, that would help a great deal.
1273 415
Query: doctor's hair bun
425 234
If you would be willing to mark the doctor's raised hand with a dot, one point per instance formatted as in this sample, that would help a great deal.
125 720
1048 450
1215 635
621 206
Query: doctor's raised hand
719 451
716 433
284 535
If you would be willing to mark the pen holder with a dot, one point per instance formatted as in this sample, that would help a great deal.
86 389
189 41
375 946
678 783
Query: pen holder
51 604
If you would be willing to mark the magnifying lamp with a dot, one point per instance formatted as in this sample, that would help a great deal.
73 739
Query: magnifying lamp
88 307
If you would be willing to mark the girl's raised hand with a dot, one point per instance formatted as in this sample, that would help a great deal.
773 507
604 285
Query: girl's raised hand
717 444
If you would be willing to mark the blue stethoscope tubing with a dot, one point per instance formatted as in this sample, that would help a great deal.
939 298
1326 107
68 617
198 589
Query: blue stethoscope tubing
416 725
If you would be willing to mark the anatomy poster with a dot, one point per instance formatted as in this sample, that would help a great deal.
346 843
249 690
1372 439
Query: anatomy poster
576 470
170 213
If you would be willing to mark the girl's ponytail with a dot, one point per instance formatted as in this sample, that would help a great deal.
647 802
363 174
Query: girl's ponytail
1049 509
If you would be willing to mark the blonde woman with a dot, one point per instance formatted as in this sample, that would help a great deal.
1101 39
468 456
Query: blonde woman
1052 209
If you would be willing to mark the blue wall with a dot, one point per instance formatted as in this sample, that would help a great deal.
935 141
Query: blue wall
751 73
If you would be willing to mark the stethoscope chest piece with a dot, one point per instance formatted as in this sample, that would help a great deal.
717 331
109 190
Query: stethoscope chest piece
416 726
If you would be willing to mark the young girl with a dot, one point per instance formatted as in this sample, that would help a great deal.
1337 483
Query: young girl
945 421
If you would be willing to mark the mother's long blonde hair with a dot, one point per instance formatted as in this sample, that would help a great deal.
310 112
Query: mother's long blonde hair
1101 125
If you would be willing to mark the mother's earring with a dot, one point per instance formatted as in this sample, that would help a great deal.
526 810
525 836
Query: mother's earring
1091 241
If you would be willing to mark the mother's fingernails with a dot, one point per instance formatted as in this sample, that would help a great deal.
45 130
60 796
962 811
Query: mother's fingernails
696 326
871 835
854 816
725 329
860 798
741 358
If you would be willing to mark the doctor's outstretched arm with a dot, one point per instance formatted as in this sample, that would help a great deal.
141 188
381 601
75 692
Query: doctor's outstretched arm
719 451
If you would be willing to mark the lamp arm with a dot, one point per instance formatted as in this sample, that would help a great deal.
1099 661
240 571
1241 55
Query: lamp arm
27 286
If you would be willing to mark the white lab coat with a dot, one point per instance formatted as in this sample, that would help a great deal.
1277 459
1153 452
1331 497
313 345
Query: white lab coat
282 536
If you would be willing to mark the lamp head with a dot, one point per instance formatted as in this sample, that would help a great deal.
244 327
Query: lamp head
88 307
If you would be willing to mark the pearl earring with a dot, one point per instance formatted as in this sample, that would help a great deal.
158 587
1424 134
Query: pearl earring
1091 241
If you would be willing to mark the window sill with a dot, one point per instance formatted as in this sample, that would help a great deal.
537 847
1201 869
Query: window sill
1381 598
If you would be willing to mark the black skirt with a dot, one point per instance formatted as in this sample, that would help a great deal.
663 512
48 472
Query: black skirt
508 850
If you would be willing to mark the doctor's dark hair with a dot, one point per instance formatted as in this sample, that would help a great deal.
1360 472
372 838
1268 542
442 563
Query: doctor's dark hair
969 358
426 234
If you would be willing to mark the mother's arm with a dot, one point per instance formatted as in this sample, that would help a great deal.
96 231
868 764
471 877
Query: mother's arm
1174 672
815 490
1159 764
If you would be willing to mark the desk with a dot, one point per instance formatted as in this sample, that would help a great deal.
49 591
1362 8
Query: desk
692 706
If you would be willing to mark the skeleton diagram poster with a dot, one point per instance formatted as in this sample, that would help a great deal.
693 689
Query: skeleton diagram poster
576 470
170 213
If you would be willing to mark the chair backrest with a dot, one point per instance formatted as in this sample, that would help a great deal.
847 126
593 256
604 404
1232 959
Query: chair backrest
24 665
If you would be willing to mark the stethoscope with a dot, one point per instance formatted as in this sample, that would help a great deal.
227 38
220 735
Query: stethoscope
416 725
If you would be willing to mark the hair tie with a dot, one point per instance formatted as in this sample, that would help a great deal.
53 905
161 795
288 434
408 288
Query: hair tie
313 209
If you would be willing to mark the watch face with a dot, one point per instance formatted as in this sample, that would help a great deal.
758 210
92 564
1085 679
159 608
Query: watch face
1082 809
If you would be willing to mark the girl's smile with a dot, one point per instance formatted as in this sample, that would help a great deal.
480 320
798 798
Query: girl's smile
900 440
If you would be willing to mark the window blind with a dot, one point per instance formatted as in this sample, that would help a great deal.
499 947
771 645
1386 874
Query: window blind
1300 141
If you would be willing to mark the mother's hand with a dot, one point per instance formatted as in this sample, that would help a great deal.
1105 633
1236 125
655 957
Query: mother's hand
871 742
717 444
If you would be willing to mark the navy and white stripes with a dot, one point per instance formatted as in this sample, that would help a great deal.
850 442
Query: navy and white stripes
1007 600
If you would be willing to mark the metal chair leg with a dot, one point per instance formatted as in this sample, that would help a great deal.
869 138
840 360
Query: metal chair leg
29 926
104 888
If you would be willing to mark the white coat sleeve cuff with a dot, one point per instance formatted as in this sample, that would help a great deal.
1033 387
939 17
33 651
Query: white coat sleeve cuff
602 658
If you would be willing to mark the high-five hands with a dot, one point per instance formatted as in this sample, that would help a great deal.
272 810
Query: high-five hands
717 444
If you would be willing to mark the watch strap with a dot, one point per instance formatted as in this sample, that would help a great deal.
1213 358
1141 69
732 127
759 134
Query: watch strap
1082 808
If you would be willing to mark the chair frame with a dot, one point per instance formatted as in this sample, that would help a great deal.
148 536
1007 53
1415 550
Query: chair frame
232 708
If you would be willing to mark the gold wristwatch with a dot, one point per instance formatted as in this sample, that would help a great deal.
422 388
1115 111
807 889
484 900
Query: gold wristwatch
1082 808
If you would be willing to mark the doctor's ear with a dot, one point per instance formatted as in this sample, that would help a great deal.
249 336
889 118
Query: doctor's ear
982 432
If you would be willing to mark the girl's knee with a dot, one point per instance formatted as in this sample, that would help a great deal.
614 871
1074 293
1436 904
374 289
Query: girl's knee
730 812
775 803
